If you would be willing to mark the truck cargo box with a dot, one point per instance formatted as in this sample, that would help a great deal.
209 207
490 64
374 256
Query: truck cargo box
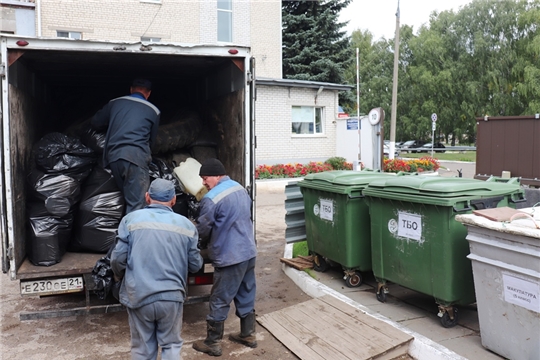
56 85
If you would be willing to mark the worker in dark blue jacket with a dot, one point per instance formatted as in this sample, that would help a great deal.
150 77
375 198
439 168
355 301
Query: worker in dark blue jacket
225 223
132 124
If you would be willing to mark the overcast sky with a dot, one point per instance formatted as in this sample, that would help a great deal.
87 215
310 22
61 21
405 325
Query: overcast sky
379 16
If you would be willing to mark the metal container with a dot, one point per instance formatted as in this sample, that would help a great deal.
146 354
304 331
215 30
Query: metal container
505 259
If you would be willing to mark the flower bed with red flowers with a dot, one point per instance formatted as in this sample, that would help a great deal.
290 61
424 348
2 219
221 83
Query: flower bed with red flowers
425 163
300 170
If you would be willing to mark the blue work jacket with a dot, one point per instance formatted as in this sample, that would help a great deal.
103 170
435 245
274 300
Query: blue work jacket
225 222
155 249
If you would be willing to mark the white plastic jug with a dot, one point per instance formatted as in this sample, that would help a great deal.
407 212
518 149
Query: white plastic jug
188 174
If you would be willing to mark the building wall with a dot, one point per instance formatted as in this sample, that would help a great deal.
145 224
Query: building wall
125 20
256 23
266 37
275 141
17 17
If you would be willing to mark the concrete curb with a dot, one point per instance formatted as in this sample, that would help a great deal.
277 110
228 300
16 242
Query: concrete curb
421 348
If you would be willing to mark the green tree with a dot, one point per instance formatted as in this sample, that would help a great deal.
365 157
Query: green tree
375 73
315 47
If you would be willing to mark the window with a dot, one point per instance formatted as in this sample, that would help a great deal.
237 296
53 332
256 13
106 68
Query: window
150 39
307 120
69 34
224 20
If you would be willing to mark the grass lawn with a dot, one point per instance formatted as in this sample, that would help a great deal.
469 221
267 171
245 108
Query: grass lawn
300 248
469 156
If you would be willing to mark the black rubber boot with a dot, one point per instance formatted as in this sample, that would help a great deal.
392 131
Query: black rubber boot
212 344
246 336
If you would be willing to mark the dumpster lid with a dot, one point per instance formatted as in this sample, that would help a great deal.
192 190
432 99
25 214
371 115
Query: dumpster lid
440 187
346 177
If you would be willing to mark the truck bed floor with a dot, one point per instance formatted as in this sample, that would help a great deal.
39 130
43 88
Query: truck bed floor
72 264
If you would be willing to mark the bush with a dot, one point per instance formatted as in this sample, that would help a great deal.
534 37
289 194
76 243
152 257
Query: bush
339 163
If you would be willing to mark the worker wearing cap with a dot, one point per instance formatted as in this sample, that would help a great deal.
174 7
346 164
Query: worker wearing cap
155 250
225 223
132 124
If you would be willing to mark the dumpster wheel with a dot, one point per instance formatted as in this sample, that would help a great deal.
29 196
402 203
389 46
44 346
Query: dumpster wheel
319 264
449 316
381 292
353 278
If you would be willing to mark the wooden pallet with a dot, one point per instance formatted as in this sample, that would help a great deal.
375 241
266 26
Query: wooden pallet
326 328
299 263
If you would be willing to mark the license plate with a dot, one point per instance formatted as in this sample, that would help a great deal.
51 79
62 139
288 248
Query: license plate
208 268
52 286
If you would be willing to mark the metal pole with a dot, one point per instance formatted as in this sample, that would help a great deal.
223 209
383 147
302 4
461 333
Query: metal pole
394 90
432 137
358 84
358 101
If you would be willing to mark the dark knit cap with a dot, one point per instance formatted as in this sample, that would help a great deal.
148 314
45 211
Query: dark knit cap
212 167
142 83
161 190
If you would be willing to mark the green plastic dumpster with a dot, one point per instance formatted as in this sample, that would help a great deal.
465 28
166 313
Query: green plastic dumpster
416 241
337 220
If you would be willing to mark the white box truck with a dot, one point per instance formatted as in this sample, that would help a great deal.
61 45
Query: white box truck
48 85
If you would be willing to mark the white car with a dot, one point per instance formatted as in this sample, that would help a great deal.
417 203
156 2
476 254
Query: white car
386 151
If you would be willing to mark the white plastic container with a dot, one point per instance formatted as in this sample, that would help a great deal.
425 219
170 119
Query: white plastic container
188 174
505 260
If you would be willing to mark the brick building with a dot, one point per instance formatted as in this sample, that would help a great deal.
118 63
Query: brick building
295 119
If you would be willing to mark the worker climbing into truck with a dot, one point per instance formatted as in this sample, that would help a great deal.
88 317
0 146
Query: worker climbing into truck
132 124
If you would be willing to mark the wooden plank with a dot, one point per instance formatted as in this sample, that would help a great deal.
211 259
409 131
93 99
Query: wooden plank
297 263
351 344
332 329
362 333
291 335
378 325
356 331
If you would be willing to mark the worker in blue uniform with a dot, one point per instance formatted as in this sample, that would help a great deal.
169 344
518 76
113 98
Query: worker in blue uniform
225 223
132 124
155 250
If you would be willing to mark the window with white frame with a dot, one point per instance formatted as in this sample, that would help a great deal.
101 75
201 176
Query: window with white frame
150 39
69 34
224 20
307 120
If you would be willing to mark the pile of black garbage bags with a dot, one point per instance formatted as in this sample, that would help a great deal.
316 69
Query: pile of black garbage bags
73 203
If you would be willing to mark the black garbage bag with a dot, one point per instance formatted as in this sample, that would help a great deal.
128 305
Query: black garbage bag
182 204
59 153
160 170
49 234
103 277
62 163
193 207
92 138
58 192
100 211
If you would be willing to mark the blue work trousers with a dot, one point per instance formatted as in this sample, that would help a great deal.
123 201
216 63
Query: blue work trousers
158 323
133 181
235 282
